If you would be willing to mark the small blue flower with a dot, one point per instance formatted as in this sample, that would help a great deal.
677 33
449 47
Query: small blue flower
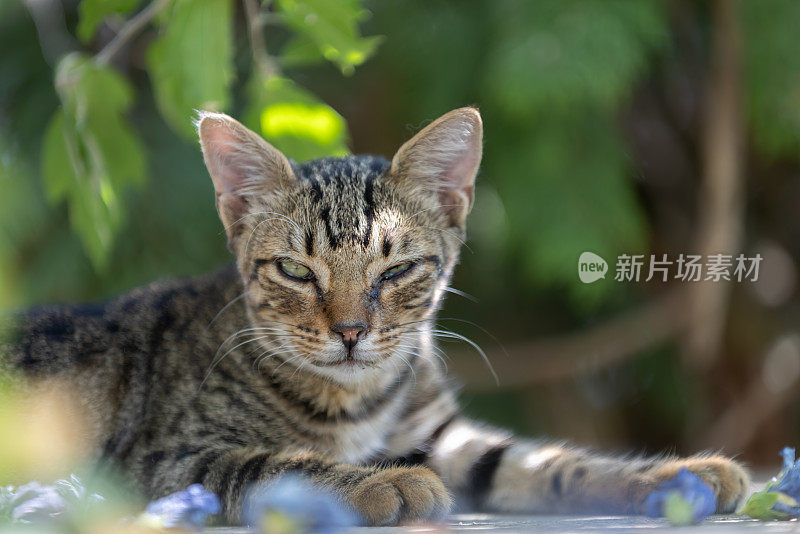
780 499
787 483
788 480
682 499
293 504
788 459
186 509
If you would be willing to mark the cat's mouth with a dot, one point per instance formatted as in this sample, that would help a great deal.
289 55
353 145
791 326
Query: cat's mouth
350 360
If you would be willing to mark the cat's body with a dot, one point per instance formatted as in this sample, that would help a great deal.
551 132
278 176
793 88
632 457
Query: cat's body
316 353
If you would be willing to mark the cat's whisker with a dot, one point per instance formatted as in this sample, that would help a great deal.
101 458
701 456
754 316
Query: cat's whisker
399 354
447 334
256 329
420 353
459 293
228 305
217 360
291 358
302 363
452 335
284 362
264 345
471 323
451 233
247 244
439 206
444 230
267 354
240 333
479 327
252 339
280 216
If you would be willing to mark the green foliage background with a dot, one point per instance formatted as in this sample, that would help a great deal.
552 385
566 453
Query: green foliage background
103 186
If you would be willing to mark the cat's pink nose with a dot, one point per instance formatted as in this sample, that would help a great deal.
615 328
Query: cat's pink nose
351 333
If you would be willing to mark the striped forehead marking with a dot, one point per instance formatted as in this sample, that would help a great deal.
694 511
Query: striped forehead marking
343 192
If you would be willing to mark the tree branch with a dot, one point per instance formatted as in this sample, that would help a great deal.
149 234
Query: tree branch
129 31
739 424
560 358
721 201
265 65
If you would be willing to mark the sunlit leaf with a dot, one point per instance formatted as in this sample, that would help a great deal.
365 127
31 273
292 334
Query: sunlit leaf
92 13
90 154
295 121
332 25
190 64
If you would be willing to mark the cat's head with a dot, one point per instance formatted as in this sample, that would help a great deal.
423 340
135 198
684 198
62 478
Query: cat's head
344 259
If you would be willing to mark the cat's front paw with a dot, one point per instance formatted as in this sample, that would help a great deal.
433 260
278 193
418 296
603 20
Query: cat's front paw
729 480
401 494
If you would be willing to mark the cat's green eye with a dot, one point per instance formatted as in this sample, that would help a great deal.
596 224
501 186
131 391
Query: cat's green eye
396 271
295 270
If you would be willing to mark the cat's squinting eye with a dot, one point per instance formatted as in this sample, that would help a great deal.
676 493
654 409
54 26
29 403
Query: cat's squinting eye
397 270
295 270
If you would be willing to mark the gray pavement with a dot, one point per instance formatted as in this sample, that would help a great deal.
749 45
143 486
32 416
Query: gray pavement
583 524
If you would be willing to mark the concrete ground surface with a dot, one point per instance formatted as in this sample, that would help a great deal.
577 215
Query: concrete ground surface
582 524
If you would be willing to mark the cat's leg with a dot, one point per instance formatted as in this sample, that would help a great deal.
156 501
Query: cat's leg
498 472
381 495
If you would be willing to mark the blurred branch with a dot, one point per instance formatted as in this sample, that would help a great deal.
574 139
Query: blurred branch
48 17
560 358
721 206
129 31
737 426
261 59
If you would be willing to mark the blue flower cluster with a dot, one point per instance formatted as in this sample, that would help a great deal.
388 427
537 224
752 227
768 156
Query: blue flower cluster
187 509
292 504
684 499
788 483
781 498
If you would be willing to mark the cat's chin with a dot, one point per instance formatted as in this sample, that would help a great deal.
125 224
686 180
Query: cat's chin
348 369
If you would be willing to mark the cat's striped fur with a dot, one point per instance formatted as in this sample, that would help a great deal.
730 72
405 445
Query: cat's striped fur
239 376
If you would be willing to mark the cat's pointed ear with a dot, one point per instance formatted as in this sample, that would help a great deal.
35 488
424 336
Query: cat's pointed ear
243 167
444 158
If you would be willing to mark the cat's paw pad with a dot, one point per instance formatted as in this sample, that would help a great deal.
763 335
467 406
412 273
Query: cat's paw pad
401 494
729 480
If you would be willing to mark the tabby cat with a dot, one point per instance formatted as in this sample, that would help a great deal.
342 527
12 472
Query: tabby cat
315 354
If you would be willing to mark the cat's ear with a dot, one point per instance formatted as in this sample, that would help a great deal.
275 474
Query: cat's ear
243 167
444 158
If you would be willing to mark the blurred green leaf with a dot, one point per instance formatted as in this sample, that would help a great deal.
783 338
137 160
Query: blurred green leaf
759 505
190 64
294 120
300 51
23 214
90 154
566 189
331 25
562 52
773 73
93 12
